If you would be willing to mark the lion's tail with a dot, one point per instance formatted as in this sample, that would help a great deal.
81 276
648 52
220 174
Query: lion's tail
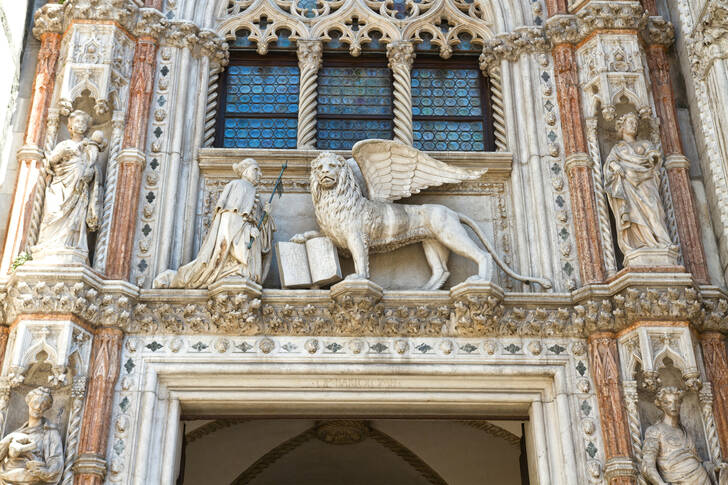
545 282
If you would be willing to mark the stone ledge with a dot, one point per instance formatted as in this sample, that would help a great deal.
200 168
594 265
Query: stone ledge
470 310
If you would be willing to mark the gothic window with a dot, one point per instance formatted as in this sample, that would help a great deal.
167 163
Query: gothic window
450 105
259 102
354 101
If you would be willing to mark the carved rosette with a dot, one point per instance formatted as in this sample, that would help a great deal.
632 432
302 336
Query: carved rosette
309 62
401 55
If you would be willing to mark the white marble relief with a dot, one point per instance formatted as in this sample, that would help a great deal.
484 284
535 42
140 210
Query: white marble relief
353 205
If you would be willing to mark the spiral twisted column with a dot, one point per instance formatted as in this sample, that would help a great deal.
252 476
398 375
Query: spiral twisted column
401 55
78 392
309 62
112 175
715 358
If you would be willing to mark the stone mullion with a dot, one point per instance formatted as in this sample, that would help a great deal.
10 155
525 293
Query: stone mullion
604 359
91 466
401 55
676 165
30 186
309 62
581 184
131 161
715 359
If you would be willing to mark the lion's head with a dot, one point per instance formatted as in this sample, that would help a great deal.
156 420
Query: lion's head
337 197
331 171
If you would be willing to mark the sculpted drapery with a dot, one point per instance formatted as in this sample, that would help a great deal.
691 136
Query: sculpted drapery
227 250
632 184
669 455
73 197
33 454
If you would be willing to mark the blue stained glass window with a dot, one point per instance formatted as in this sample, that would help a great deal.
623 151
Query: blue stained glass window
342 134
355 90
261 106
447 109
354 103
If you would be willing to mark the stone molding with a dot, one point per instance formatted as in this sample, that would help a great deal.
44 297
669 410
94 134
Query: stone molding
141 22
708 41
469 310
608 16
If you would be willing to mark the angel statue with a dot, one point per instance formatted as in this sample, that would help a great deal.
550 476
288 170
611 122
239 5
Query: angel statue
353 202
669 456
33 454
632 183
235 244
73 197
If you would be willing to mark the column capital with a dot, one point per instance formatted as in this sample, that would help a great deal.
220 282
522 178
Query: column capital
30 152
401 53
90 464
310 54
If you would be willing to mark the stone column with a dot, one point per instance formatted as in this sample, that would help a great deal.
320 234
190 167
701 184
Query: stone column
309 62
131 161
715 358
578 163
677 165
604 359
401 55
30 186
90 467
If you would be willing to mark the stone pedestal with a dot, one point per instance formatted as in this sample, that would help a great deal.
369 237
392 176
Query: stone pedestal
652 257
59 256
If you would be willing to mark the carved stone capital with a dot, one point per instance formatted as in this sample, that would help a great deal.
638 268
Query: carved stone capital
151 23
356 307
600 15
400 54
30 152
90 464
182 34
577 160
132 156
709 39
234 305
563 29
477 307
657 30
214 47
48 18
309 54
123 12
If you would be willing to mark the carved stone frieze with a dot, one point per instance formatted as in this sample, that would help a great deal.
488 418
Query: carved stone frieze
48 18
709 38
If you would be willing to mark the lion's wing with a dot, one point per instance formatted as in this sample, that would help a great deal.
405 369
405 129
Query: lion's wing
393 170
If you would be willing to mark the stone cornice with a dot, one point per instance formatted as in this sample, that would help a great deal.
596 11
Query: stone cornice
140 22
608 16
466 311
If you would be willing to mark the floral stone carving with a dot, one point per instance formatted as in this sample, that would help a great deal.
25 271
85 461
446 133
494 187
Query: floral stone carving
33 454
73 197
631 180
353 204
235 244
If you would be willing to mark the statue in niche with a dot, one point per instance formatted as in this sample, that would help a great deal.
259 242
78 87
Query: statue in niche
669 456
631 180
73 197
240 236
33 454
353 205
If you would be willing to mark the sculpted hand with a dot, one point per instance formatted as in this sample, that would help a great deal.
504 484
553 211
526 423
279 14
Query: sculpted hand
254 232
267 208
35 467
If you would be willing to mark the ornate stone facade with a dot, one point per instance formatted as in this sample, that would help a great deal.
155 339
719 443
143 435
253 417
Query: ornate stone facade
588 184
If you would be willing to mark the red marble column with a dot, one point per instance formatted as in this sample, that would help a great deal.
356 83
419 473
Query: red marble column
4 334
554 7
91 466
688 227
581 185
30 155
604 359
715 358
131 161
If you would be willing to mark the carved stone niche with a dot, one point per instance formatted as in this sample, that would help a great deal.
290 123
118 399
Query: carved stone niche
96 58
656 355
53 354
